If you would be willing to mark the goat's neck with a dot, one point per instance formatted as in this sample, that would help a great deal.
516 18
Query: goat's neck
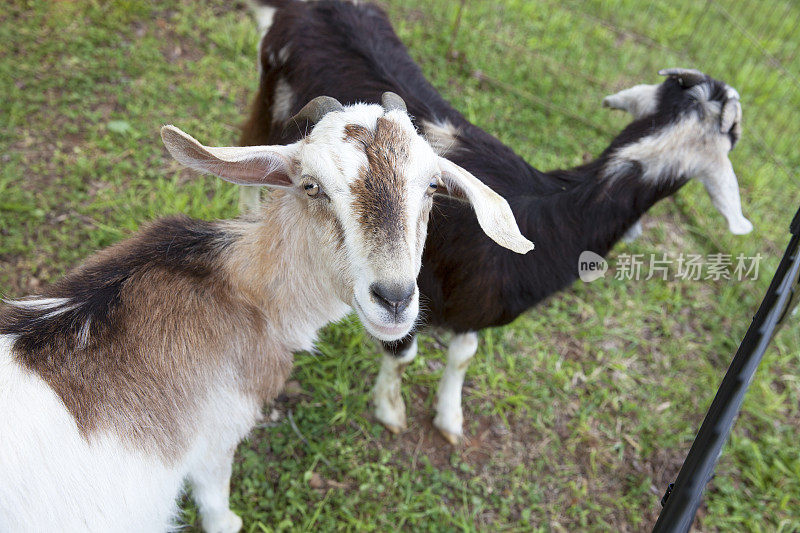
283 264
609 195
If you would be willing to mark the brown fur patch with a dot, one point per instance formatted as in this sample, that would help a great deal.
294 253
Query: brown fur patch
378 192
358 133
164 326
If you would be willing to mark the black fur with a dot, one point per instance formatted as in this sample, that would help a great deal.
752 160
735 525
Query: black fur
177 244
467 281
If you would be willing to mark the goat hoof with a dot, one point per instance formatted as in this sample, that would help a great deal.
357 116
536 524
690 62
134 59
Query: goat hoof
395 424
450 425
452 438
229 522
392 418
450 434
394 429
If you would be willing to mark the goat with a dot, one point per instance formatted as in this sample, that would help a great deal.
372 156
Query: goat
683 127
150 361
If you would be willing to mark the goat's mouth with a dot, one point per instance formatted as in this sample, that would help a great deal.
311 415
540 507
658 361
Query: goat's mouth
383 331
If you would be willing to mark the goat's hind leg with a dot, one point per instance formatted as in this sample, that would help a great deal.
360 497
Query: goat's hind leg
449 415
211 480
390 410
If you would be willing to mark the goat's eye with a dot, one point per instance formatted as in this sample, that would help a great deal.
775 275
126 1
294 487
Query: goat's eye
433 186
311 188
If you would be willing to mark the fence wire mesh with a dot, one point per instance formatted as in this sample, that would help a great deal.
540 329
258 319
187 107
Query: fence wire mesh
562 57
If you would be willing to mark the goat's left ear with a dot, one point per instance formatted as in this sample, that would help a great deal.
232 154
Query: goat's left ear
243 165
639 100
494 214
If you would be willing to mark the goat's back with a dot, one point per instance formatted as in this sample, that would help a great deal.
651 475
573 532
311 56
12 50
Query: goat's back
347 51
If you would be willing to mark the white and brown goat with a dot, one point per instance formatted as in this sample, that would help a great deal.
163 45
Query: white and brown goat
148 363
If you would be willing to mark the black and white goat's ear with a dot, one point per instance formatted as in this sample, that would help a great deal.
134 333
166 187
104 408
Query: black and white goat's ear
494 214
731 115
723 189
639 100
243 165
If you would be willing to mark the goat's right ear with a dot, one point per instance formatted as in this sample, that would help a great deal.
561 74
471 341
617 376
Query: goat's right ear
639 100
243 165
494 214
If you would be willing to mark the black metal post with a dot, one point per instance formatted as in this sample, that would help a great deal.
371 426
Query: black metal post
683 498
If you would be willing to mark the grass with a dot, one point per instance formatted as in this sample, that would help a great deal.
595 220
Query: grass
579 413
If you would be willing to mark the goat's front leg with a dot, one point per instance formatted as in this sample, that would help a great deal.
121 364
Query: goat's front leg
211 480
389 407
449 416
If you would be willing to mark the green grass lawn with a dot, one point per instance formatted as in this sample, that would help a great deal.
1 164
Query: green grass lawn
579 413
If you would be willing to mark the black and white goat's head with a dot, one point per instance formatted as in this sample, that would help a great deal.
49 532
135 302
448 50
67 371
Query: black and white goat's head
688 125
365 178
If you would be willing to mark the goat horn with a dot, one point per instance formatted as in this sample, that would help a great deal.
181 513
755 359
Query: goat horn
317 108
687 77
390 101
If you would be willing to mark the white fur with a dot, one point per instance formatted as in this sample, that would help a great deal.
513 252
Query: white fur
58 311
38 303
723 188
442 136
264 16
639 100
634 232
283 54
53 479
336 164
83 334
390 409
228 417
55 305
691 147
282 101
449 416
680 149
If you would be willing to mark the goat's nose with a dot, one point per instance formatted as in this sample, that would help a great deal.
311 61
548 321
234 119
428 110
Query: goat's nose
395 297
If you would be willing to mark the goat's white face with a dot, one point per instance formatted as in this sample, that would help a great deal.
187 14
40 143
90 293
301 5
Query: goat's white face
365 172
370 173
694 123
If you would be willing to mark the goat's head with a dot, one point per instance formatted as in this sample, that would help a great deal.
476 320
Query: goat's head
690 123
366 175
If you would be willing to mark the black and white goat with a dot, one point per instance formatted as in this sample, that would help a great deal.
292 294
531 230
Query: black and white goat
149 363
682 128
